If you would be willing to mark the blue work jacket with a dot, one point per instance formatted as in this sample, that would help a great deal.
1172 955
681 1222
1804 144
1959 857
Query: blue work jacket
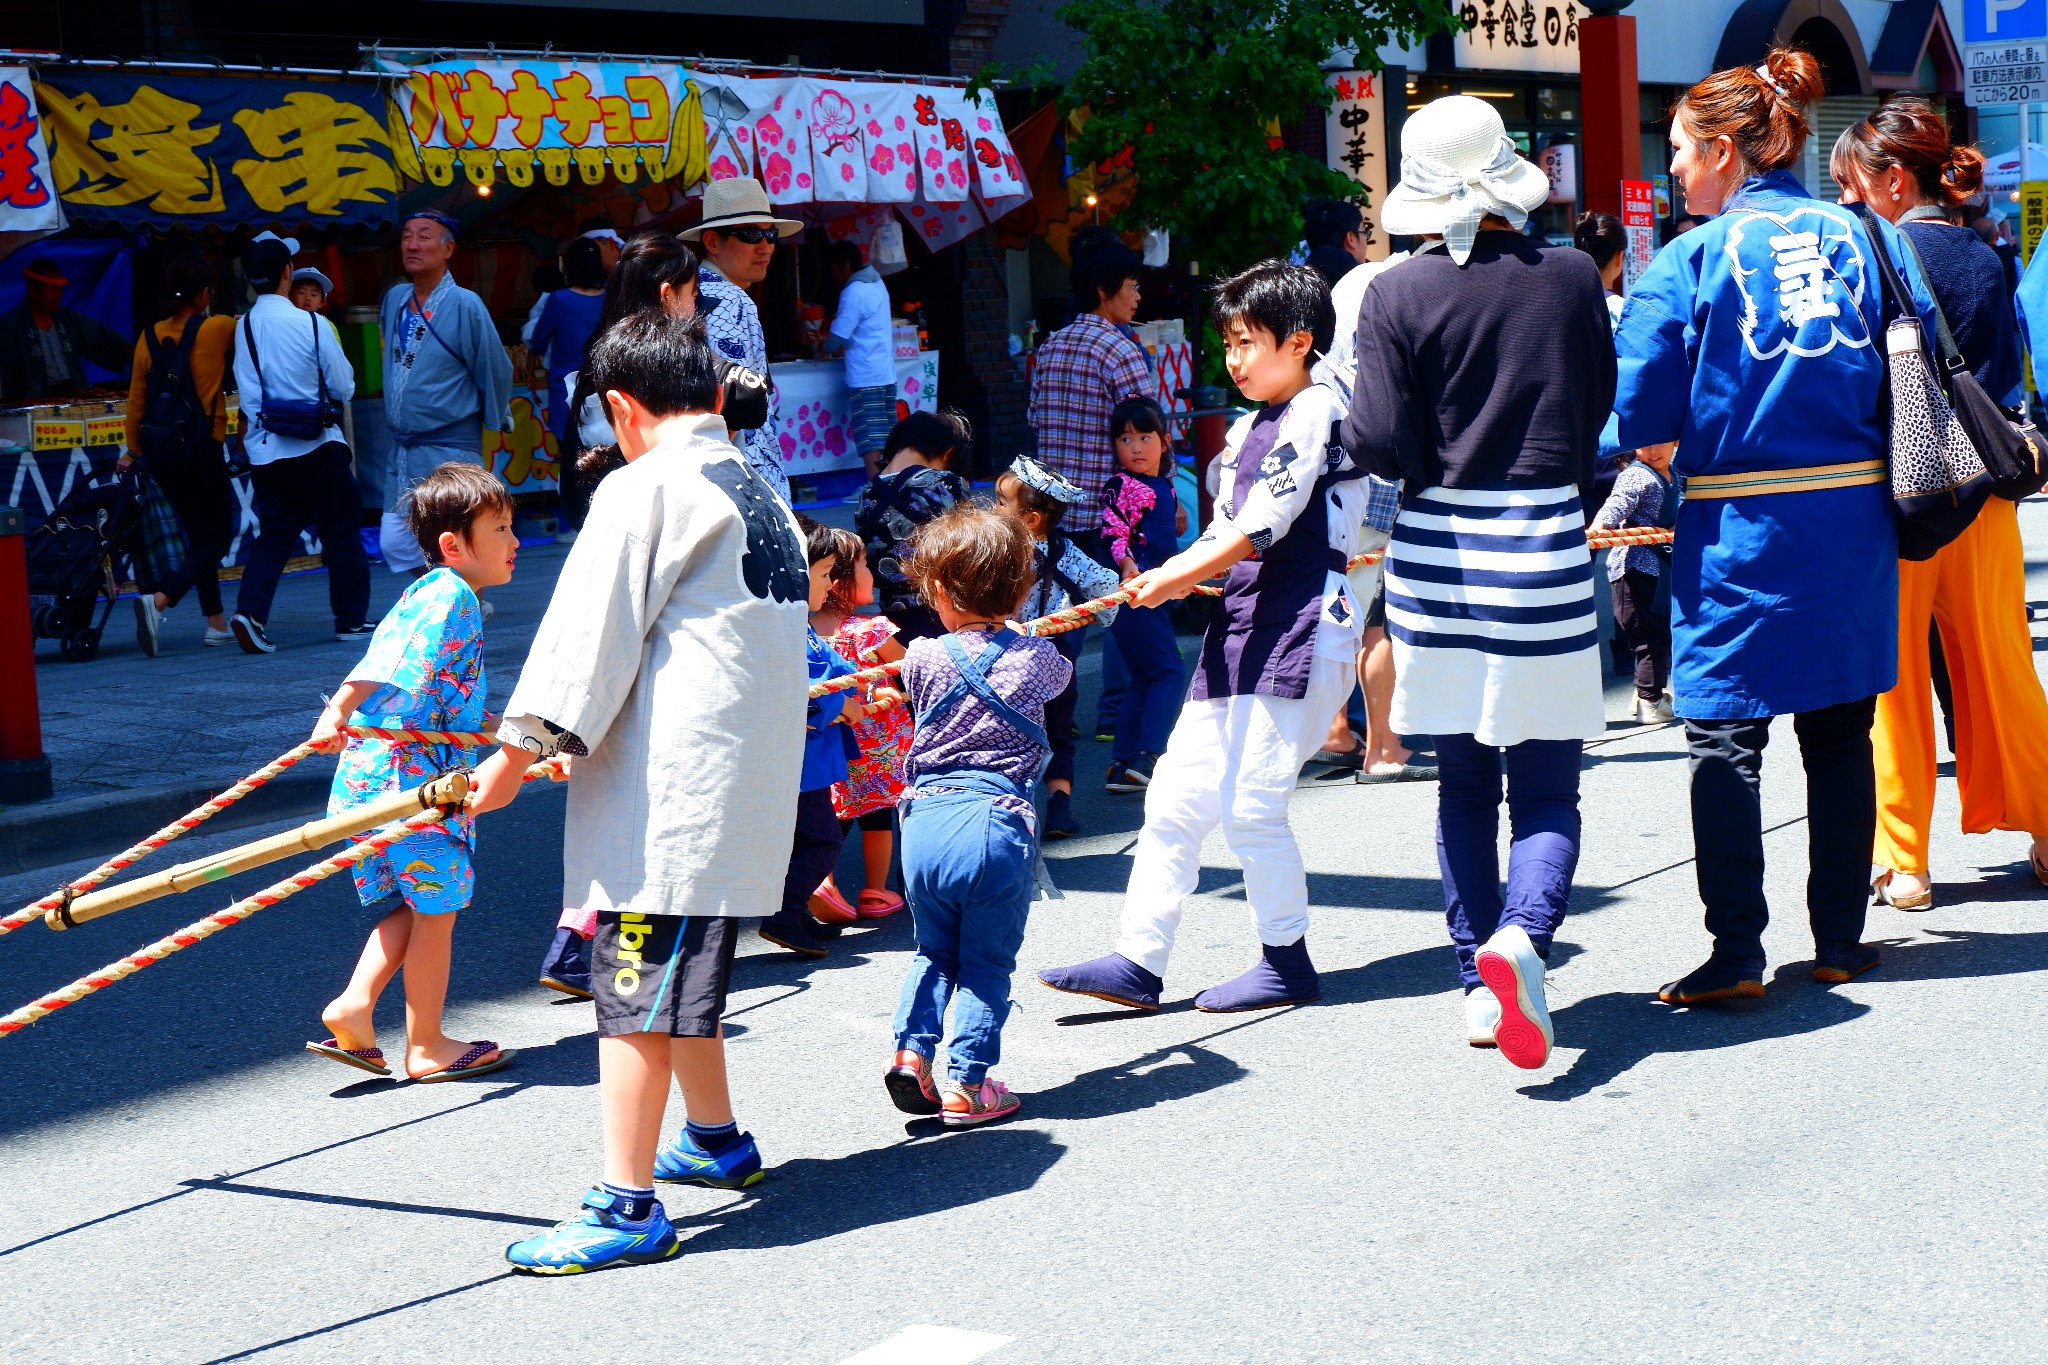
1756 342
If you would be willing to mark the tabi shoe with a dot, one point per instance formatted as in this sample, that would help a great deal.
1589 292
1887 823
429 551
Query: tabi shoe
1881 894
1835 963
594 1239
786 930
1482 1015
1114 978
1718 978
683 1162
567 965
968 1105
1059 817
909 1082
249 635
149 623
1511 969
1281 976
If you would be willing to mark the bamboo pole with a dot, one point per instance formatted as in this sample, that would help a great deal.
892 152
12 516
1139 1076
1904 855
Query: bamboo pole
449 789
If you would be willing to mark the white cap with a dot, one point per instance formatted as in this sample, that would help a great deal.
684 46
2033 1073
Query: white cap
608 234
307 272
291 244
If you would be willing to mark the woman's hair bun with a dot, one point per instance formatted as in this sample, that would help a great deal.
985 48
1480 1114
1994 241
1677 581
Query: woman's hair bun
1798 73
1963 177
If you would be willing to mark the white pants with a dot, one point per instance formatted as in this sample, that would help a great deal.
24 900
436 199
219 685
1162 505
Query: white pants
402 553
1234 762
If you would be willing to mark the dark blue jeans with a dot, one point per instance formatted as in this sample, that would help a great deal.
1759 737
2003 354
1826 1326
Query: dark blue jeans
1543 847
1152 697
967 872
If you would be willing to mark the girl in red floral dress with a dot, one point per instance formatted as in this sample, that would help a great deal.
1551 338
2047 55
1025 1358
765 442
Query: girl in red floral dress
875 779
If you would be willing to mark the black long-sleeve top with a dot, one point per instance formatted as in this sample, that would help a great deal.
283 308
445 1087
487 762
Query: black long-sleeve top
1499 372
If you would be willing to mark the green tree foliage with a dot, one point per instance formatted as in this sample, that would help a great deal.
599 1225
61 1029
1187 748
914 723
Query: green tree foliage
1192 88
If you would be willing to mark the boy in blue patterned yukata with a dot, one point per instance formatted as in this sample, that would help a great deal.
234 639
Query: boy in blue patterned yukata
424 671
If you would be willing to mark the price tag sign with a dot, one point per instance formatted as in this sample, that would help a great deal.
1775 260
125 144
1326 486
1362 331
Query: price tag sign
105 431
59 434
2005 73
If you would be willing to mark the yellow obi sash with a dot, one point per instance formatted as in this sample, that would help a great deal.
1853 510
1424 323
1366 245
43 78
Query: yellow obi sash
1851 475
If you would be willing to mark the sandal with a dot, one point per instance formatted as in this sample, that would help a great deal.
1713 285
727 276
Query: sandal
827 906
1341 760
878 904
1881 894
2039 864
468 1065
370 1059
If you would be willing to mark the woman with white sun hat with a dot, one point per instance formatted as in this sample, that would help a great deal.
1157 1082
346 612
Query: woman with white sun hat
1485 370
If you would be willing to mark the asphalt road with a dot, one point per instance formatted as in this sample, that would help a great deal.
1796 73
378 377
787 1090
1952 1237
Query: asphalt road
1842 1174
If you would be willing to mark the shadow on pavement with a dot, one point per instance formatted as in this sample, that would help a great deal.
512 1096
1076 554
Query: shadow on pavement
1619 1029
811 1199
1179 1071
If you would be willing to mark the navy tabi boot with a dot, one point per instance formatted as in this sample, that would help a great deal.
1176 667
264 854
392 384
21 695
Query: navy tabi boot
1115 978
1282 976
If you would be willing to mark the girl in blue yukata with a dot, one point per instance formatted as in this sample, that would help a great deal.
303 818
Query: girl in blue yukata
1276 662
424 671
970 845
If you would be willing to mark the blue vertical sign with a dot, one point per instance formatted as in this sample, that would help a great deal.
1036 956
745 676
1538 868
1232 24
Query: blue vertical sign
2004 21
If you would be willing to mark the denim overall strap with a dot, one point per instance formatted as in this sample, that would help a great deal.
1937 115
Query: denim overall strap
974 678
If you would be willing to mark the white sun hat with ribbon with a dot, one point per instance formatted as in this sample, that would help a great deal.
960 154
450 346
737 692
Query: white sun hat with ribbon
1457 166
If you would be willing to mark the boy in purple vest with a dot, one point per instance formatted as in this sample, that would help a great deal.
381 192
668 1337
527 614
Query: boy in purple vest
1276 662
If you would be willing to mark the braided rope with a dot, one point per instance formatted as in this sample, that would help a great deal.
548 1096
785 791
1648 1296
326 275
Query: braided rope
135 853
214 923
467 739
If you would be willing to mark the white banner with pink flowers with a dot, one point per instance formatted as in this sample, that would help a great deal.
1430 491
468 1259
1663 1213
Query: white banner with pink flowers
811 140
814 413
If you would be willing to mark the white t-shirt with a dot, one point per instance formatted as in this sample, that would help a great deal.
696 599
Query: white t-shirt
863 325
1337 368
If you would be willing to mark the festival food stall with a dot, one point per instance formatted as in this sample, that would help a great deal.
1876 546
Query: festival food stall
525 150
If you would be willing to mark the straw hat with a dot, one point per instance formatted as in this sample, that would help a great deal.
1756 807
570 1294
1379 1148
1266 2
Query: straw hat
738 201
1457 166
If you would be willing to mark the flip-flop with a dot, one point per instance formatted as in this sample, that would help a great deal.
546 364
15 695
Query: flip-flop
370 1059
1410 772
879 904
467 1064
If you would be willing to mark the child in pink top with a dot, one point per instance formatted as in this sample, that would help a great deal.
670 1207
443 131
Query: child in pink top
875 779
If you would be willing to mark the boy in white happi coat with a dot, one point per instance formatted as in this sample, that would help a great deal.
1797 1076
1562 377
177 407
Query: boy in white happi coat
671 665
1277 659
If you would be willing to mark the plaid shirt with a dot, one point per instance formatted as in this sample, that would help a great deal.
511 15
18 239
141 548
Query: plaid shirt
1079 376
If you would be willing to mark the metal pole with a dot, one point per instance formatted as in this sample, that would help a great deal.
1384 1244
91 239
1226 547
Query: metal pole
24 768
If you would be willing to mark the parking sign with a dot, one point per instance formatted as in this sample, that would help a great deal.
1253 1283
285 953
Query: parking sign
2004 21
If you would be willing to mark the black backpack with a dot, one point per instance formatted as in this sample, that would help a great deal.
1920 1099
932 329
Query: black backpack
173 421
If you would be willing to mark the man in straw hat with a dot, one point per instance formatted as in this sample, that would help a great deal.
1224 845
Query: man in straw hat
738 234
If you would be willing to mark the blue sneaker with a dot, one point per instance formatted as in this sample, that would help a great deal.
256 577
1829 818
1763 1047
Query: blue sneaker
594 1239
683 1162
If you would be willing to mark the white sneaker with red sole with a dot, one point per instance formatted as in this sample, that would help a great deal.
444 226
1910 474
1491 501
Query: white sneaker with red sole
1509 966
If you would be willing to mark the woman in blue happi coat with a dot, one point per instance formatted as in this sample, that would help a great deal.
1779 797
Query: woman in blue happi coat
1757 343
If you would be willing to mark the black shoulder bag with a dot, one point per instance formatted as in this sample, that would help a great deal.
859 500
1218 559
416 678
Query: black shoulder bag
300 419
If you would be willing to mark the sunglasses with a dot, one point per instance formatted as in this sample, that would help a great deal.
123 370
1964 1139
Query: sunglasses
752 236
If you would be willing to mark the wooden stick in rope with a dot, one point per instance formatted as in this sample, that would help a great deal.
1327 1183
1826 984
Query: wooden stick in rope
449 789
214 923
135 853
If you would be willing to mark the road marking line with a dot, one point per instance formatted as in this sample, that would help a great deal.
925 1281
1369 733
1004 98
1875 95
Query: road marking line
920 1344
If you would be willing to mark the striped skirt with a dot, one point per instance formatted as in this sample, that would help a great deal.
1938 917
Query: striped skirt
1490 607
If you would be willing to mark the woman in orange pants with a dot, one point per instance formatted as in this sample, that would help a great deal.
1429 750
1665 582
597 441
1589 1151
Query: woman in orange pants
1974 589
1901 162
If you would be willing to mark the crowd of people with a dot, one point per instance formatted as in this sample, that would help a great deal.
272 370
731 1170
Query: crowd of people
691 674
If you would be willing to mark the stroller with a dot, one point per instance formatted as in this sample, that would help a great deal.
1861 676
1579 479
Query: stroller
74 564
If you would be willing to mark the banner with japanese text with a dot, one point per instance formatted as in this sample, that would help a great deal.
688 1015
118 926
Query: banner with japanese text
633 119
1355 134
1639 221
1519 35
139 149
29 207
